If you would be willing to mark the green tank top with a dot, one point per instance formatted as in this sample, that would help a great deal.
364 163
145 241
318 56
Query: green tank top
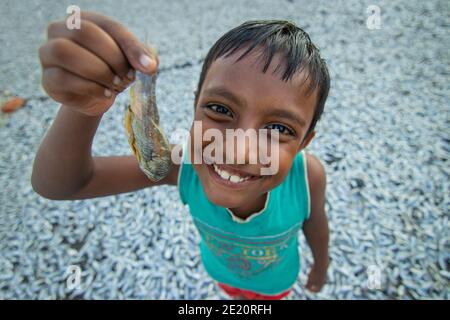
259 253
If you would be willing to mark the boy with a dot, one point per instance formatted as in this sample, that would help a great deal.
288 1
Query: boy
260 75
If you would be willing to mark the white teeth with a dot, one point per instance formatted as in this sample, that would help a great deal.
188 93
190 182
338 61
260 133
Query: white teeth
228 176
225 175
235 179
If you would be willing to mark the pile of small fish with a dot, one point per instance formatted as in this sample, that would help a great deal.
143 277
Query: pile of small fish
384 141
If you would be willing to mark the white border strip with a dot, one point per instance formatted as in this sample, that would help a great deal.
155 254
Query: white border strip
307 182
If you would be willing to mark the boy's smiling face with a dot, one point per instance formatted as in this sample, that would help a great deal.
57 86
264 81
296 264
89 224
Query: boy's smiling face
238 95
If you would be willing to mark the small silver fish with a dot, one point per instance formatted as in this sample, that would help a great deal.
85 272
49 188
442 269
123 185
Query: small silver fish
147 140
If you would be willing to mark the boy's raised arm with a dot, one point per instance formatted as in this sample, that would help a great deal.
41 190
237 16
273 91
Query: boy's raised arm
84 70
64 169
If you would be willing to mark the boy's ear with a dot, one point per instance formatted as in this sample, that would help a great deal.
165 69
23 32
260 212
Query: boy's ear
307 140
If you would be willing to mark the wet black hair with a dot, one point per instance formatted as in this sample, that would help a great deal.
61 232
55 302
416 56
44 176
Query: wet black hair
276 36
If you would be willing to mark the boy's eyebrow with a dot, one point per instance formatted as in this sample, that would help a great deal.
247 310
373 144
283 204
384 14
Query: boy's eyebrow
224 92
288 115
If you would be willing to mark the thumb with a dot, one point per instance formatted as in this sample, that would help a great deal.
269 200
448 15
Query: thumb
139 56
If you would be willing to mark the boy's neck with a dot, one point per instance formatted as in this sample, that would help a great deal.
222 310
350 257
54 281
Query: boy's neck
250 208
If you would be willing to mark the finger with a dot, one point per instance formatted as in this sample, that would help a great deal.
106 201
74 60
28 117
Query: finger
310 284
137 54
57 81
68 55
93 98
314 288
96 40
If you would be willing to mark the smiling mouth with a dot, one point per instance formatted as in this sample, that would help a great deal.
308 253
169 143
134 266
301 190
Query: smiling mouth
231 179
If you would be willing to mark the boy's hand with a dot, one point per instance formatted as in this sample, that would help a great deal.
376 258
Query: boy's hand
316 279
86 68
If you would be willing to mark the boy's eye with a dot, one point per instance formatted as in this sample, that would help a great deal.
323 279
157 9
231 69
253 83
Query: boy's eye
220 109
281 128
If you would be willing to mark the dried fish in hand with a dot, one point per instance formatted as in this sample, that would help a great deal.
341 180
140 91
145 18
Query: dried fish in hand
146 138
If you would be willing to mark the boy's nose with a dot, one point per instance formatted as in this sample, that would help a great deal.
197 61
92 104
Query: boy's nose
242 148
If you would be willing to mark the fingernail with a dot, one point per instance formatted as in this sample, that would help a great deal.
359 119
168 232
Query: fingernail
130 74
108 93
145 61
117 80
